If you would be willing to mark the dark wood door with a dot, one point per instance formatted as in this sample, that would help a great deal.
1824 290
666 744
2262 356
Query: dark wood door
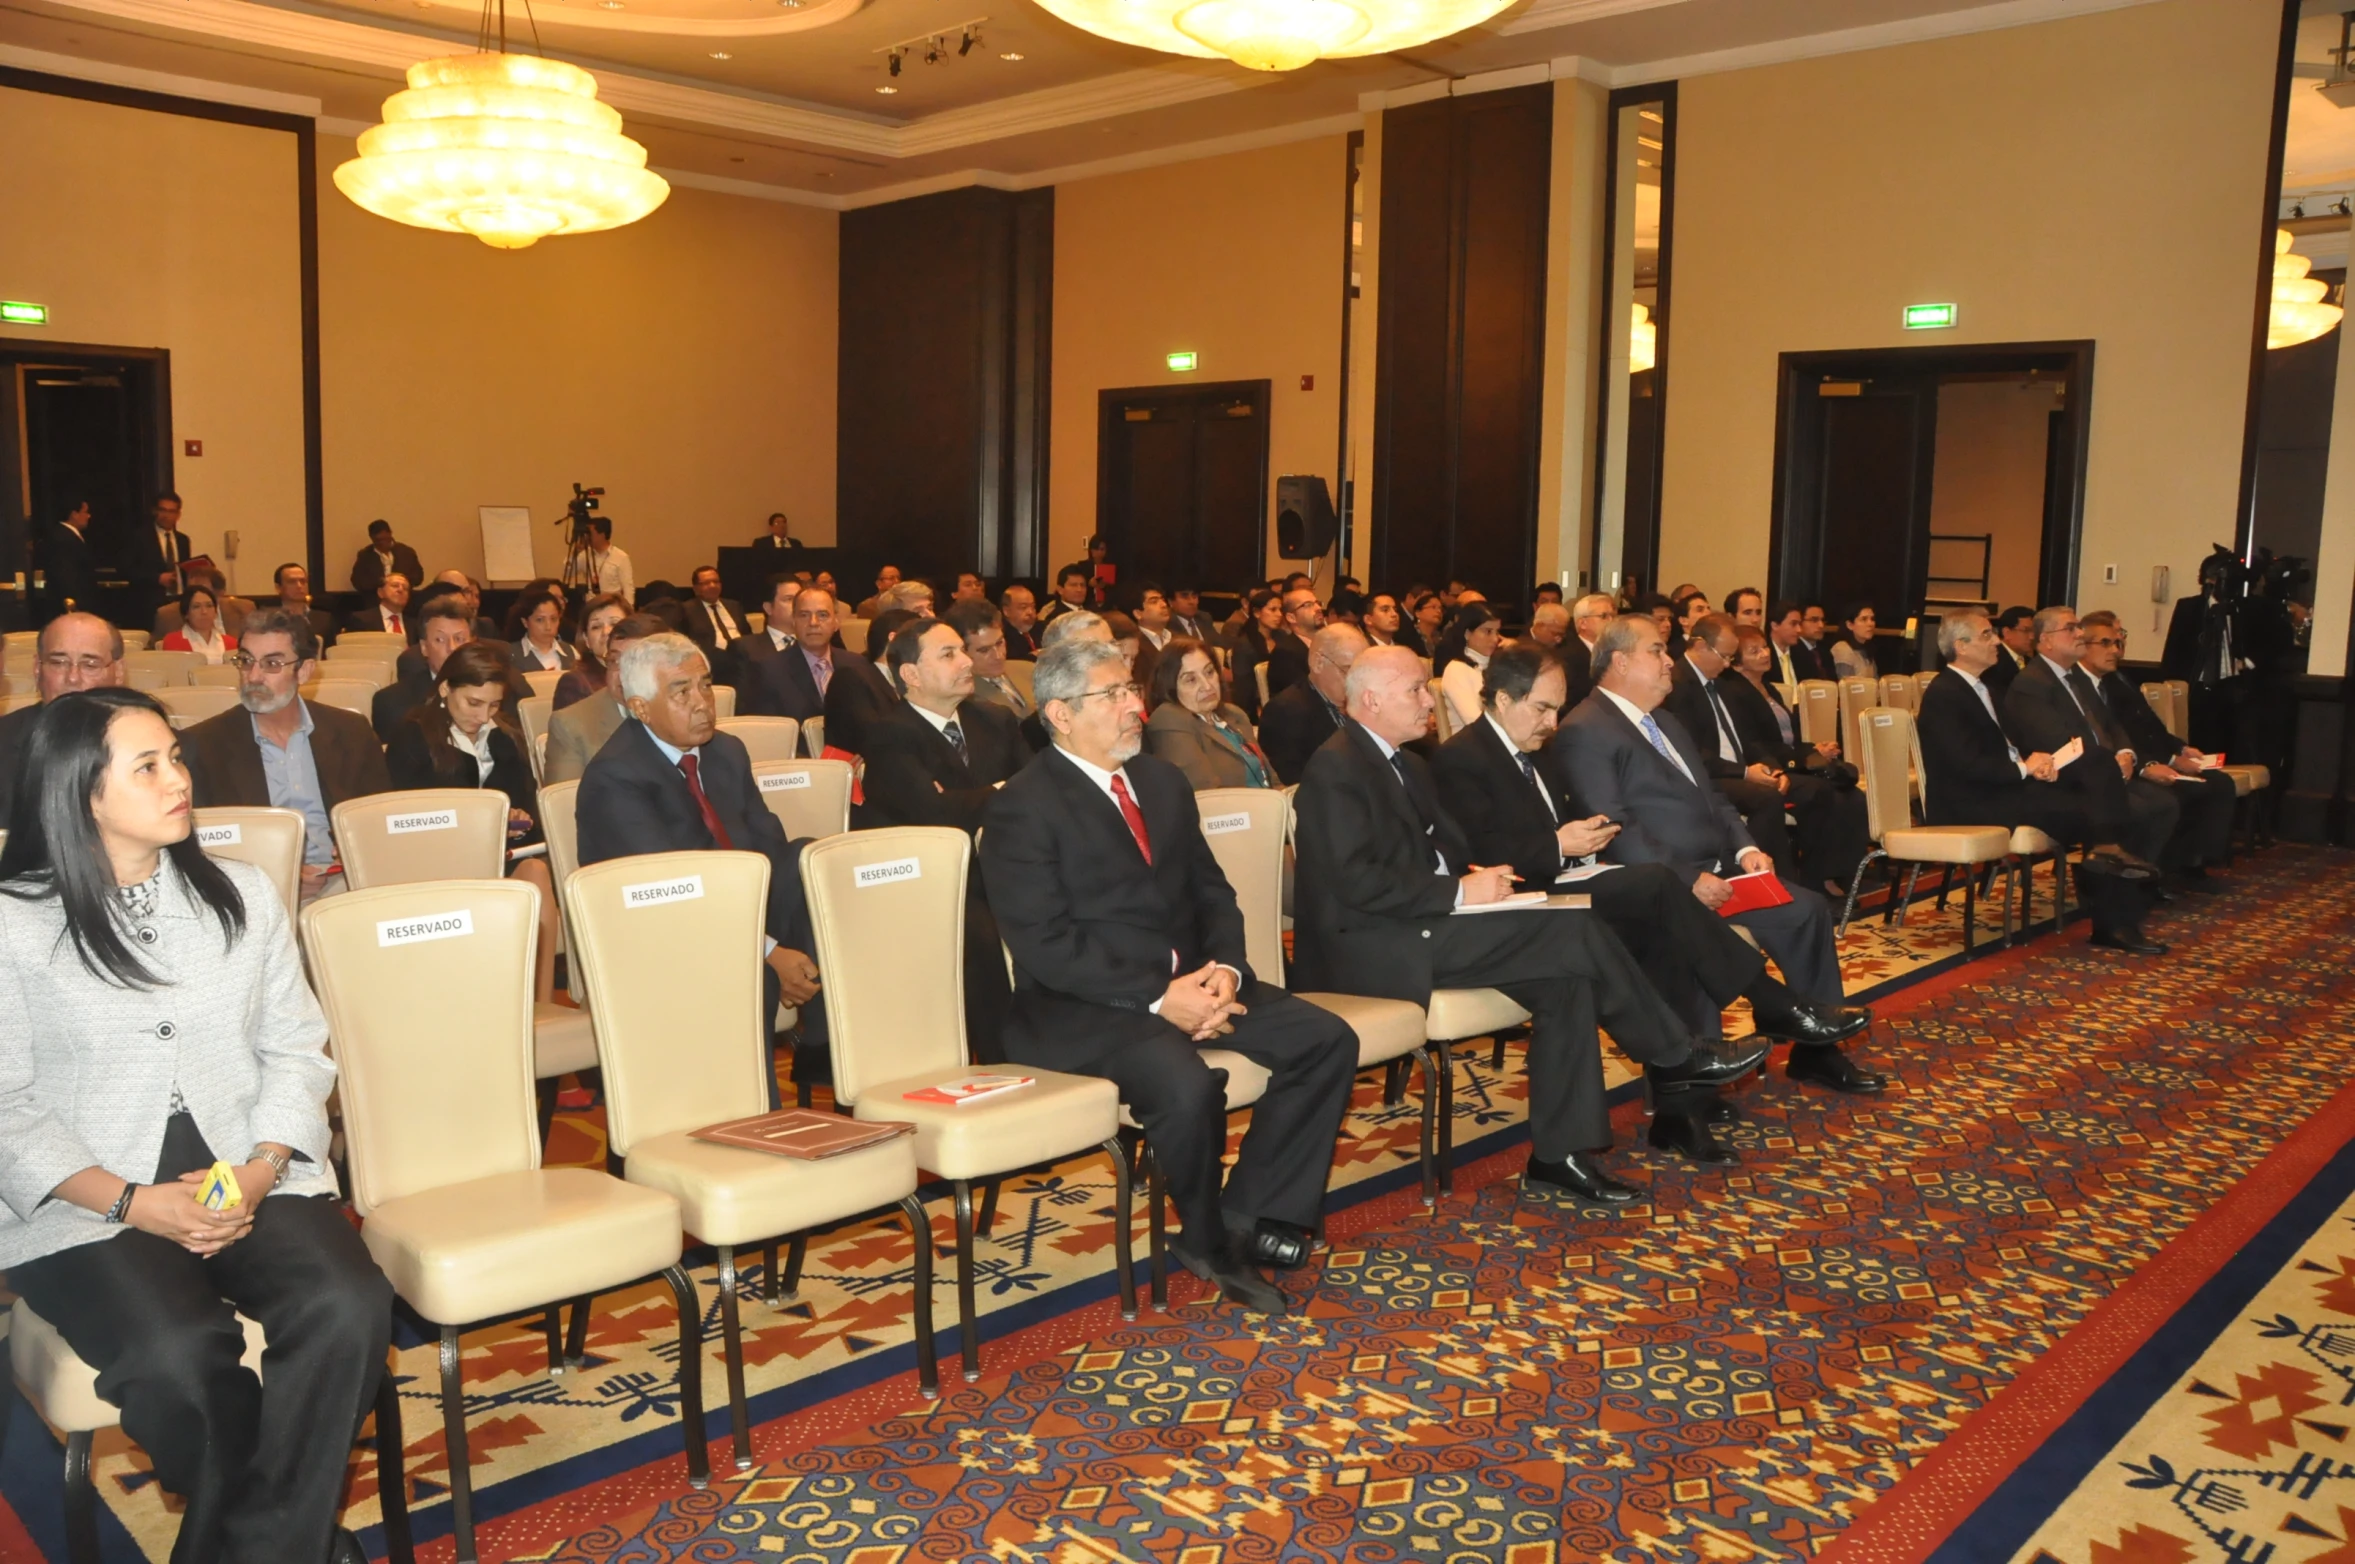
1877 452
1182 484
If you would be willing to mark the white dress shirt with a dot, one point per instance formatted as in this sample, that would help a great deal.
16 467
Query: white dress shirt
479 747
610 572
1639 717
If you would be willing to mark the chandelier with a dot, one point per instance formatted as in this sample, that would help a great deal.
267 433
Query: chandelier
507 147
1274 35
1643 342
2299 315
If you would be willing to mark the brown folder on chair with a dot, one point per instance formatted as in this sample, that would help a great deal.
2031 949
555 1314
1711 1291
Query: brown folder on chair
804 1135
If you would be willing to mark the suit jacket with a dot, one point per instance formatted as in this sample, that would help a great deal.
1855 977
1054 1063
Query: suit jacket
368 569
915 778
2145 727
1187 742
14 728
1022 645
779 683
1200 627
1606 760
390 706
1968 774
633 800
1503 819
1688 702
703 632
1287 665
322 624
857 697
1578 670
576 733
769 540
372 618
1813 662
1248 654
150 558
518 650
1369 889
1295 725
73 569
1754 723
1089 923
1999 677
2042 714
225 759
414 764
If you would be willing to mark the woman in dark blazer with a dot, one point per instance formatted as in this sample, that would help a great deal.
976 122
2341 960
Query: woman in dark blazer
1210 741
586 674
1253 644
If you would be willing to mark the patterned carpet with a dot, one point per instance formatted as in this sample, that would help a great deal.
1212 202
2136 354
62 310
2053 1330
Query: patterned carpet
1732 1370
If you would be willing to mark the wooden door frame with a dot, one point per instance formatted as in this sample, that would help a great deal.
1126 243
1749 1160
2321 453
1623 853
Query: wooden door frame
1647 568
1798 374
1259 393
19 354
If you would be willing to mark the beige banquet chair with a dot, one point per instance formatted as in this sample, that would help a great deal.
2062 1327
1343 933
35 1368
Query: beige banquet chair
723 701
221 675
543 681
765 738
889 902
1891 760
563 1039
443 833
174 666
813 738
445 1157
679 1057
187 704
1819 711
1442 714
1899 692
2248 780
133 640
356 696
536 711
1855 696
269 839
810 798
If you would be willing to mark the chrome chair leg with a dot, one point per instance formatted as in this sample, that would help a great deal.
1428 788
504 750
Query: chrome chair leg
1429 1149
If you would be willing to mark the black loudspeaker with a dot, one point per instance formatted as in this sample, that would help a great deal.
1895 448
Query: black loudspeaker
1305 523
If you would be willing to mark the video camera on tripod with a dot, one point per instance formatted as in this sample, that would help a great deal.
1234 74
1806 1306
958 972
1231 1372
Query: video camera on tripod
580 508
579 569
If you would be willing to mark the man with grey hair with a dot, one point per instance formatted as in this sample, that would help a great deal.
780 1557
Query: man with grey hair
1304 716
1383 868
1078 624
1549 626
2054 701
669 781
1129 958
75 651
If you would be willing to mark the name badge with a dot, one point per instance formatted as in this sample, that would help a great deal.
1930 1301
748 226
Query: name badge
429 820
784 781
1220 825
437 925
655 892
891 873
231 835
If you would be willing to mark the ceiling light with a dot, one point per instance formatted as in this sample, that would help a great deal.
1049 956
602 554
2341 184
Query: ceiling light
965 44
721 54
894 62
1010 57
2298 315
1274 35
887 91
507 147
1643 342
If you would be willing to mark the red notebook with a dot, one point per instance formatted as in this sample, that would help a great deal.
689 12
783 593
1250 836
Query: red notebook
1753 891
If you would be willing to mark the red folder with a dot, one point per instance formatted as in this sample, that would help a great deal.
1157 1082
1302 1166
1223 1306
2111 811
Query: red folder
1753 891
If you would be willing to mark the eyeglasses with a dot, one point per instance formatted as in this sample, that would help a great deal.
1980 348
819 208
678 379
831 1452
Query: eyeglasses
66 662
2118 641
1130 688
276 662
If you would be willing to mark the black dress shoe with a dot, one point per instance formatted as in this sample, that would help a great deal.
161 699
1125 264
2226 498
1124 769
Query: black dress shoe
1720 1110
1278 1245
344 1548
2113 859
1713 1064
1236 1282
1579 1175
1816 1023
1830 1067
1688 1136
2130 941
2159 894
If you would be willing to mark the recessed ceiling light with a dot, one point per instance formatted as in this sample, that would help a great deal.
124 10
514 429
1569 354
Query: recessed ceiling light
887 90
721 54
1009 56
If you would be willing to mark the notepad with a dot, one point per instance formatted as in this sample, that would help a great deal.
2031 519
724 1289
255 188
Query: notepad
2067 752
1583 872
1517 901
803 1135
1753 891
973 1088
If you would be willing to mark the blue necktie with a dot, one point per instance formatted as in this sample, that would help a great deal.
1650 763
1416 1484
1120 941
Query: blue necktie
1660 743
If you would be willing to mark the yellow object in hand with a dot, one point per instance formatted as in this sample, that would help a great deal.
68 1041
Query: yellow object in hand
220 1191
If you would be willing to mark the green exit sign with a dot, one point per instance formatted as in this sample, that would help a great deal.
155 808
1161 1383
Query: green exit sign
1181 361
1929 317
16 313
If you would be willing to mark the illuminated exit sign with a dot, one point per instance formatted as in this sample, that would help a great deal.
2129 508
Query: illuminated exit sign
1181 361
15 313
1929 317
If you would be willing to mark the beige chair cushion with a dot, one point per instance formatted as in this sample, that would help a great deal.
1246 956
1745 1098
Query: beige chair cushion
728 1195
1247 1081
563 1041
2247 779
1055 1116
492 1246
1386 1029
1458 1013
1948 843
2030 842
64 1389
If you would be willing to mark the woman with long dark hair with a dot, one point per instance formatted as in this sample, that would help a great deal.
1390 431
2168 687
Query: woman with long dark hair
1472 632
154 1019
598 617
1263 622
1852 649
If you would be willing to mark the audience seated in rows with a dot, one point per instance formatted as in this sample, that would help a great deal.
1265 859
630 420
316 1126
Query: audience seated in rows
1194 729
588 673
577 732
1298 722
75 651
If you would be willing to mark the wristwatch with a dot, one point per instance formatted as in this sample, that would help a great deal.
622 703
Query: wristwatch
277 1160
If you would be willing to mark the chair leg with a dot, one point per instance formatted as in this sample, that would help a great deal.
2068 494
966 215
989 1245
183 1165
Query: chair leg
691 1376
797 1251
1970 905
927 1349
769 1293
1430 1138
1394 1076
552 1324
1945 883
1123 1244
989 1206
81 1502
545 1088
576 1346
1855 889
1496 1053
1156 1227
1444 1053
968 1321
732 1356
392 1475
1900 902
454 1442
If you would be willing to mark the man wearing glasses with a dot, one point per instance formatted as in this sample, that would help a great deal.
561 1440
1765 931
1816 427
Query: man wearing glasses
281 752
76 652
2204 797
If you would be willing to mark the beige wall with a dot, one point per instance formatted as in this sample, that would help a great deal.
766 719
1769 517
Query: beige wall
1237 258
2098 177
161 231
1989 478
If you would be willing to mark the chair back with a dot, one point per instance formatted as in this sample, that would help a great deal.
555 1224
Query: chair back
173 666
1819 711
536 712
1440 712
1899 692
1018 674
428 994
133 640
766 738
270 839
1884 751
16 700
886 904
148 679
560 829
186 703
2179 710
810 798
351 640
677 1055
1855 696
222 676
1921 684
1259 673
438 833
543 681
723 700
1246 828
813 737
357 696
854 636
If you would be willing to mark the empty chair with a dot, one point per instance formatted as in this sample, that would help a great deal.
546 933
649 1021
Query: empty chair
133 640
444 1151
810 797
765 738
1819 711
422 834
1891 759
214 675
679 1057
270 839
352 695
174 666
1899 692
187 704
149 679
1855 696
853 635
535 710
813 737
543 681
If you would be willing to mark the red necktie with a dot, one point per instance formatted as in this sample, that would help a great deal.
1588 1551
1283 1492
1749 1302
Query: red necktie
1132 814
690 764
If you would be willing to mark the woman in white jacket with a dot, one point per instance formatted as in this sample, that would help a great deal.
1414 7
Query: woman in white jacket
154 1019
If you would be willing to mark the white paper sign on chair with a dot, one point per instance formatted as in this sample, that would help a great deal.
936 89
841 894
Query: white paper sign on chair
434 925
656 893
230 835
428 820
1220 825
868 875
784 781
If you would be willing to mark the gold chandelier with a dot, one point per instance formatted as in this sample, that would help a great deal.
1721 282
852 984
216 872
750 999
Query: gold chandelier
507 147
2299 315
1274 35
1643 342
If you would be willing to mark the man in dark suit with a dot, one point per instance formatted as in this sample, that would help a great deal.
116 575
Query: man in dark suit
1812 653
669 781
446 626
1758 791
76 651
2015 631
1383 870
1186 617
1074 593
1974 774
390 611
1287 664
1637 765
1296 723
1019 605
714 623
2204 798
72 569
2051 702
157 552
1091 570
777 537
1129 959
382 557
294 595
1793 663
788 666
1514 812
861 694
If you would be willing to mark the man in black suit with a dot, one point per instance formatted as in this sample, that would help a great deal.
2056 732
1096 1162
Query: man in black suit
445 627
777 537
790 664
72 569
1129 959
2204 798
1097 596
714 623
669 781
157 552
1758 791
1637 765
390 611
1186 617
861 694
2015 631
1793 663
2052 701
1297 723
1383 870
1074 593
1812 653
294 595
1974 774
1019 605
1287 664
382 557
